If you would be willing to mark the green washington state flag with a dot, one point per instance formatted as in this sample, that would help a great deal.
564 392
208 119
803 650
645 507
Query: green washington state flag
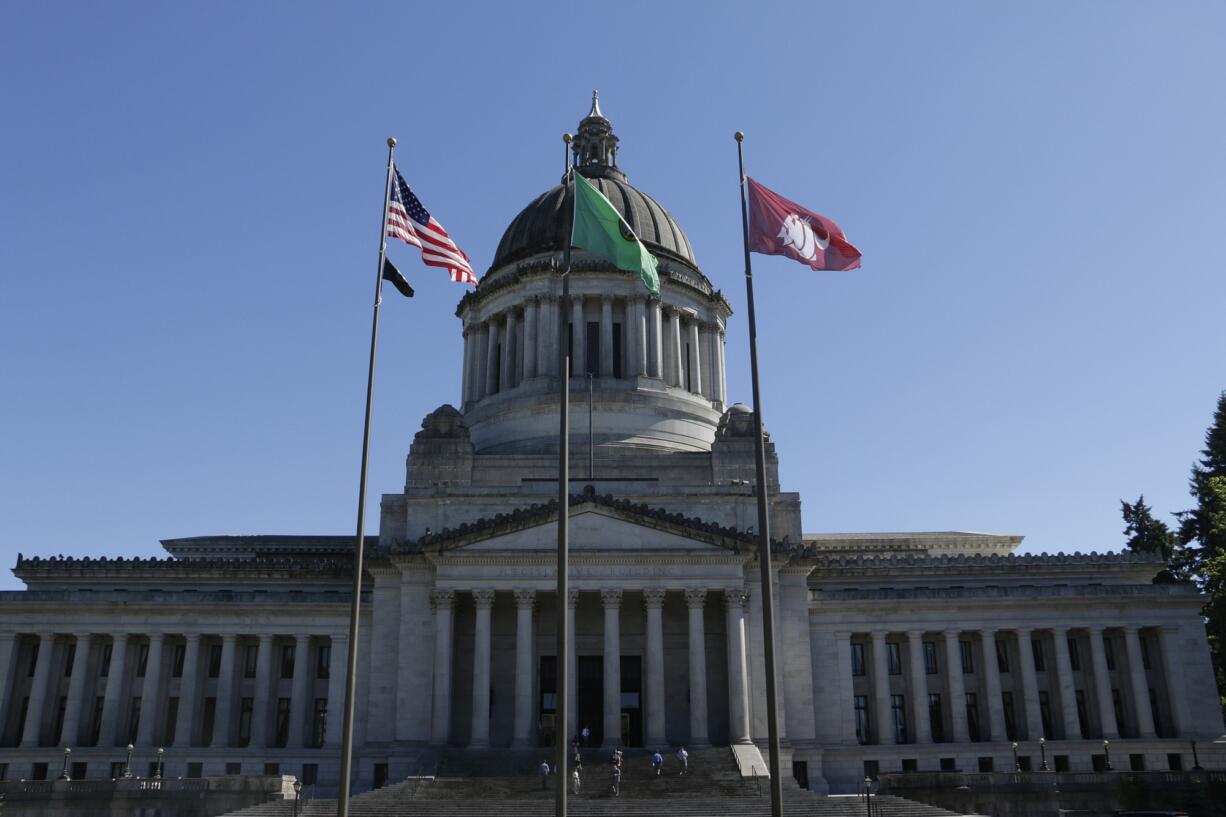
600 229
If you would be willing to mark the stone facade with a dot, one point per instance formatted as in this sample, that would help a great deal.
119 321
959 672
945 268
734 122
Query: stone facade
897 651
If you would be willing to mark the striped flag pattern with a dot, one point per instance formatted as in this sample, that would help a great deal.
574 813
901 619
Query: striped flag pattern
409 221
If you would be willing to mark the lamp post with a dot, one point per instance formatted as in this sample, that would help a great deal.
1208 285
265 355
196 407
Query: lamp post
1107 753
297 794
868 797
1017 765
127 764
1195 759
1043 754
64 770
157 775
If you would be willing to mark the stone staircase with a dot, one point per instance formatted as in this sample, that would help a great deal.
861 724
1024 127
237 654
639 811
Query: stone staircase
504 783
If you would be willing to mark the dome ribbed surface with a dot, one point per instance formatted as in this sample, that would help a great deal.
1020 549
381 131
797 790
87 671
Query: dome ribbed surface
541 226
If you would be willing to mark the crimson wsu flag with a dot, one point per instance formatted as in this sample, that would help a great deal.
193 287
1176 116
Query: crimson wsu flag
781 227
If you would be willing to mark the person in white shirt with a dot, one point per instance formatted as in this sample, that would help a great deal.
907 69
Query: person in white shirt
683 757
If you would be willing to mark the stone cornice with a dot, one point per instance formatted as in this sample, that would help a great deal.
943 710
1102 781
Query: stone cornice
317 567
181 599
847 566
1180 592
610 558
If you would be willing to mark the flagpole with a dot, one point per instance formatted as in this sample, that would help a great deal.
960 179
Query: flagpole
561 674
355 607
764 537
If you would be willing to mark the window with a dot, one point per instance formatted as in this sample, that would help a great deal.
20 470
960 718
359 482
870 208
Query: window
1061 762
245 709
133 719
323 661
33 660
863 735
1074 658
1006 698
195 770
4 771
104 663
234 768
968 657
1174 762
972 716
1098 762
206 723
1117 700
380 776
71 658
78 770
935 722
1083 713
857 659
949 764
1153 708
117 767
214 660
871 769
250 653
310 774
282 722
1036 648
272 769
898 710
893 653
930 658
1109 649
617 350
986 765
177 667
1145 652
95 728
287 661
1136 763
910 764
1002 656
1023 763
142 660
1044 712
319 722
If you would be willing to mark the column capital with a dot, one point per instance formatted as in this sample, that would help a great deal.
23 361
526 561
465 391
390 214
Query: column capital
915 635
1023 632
695 598
81 637
611 598
605 298
1167 629
483 598
653 598
843 635
879 635
987 632
233 637
572 598
524 599
441 599
735 597
1131 629
299 637
51 637
266 638
1095 629
155 636
1058 630
952 632
190 637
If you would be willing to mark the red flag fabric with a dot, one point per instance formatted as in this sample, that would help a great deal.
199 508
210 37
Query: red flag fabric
781 227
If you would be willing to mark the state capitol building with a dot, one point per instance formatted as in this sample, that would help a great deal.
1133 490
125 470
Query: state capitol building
897 651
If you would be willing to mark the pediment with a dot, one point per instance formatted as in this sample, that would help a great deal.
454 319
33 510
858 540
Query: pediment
592 529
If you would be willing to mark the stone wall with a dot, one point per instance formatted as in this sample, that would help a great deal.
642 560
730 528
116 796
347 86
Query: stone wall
205 797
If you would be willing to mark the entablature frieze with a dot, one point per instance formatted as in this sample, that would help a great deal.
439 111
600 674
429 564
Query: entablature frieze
1180 594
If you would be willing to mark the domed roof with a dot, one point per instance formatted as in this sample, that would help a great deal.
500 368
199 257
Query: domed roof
542 225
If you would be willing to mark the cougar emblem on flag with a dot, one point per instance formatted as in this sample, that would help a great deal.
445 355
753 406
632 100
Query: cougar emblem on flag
799 234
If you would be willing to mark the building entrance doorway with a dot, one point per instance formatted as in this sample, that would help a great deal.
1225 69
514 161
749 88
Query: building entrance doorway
589 689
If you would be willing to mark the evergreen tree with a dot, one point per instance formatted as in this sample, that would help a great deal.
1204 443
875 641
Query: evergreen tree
1146 534
1196 525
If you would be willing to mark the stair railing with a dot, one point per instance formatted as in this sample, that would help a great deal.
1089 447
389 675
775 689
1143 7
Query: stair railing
753 772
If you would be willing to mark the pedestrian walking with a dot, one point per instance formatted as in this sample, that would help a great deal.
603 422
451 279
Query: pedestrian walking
683 758
657 763
586 733
543 770
617 780
577 759
574 778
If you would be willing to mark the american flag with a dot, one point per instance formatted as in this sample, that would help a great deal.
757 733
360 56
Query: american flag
409 221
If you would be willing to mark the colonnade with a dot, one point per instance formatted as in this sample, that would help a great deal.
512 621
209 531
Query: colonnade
136 675
972 676
516 345
525 717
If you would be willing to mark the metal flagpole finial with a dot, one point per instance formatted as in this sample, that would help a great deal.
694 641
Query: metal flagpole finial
567 138
391 141
740 136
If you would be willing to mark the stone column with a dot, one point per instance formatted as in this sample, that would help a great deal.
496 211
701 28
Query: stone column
150 691
531 345
695 358
298 692
336 689
638 331
491 358
260 709
991 680
466 379
695 600
547 336
1140 686
508 353
1172 672
8 668
881 689
114 689
606 336
957 686
919 687
186 719
655 339
484 601
225 693
524 655
611 600
738 693
440 718
1030 685
1066 685
30 735
572 664
704 359
70 733
1102 684
674 325
480 358
578 329
653 600
721 374
845 690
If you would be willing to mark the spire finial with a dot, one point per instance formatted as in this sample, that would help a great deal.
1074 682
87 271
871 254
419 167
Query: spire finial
595 111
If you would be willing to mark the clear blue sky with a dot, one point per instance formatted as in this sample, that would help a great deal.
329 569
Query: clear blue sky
189 199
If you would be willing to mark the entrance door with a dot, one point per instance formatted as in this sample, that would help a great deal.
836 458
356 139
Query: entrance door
590 691
632 700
